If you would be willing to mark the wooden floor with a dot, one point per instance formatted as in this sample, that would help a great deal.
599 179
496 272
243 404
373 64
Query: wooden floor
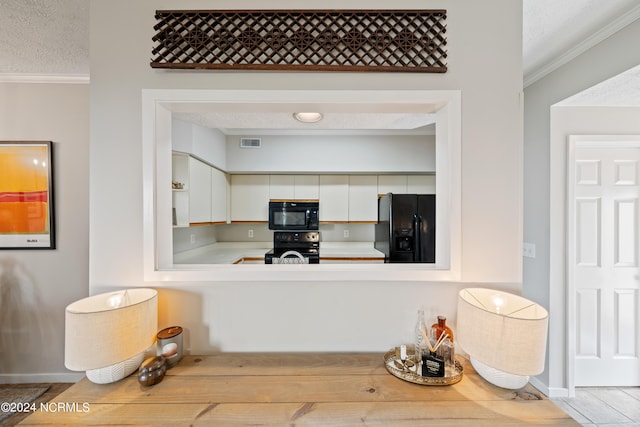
296 389
53 390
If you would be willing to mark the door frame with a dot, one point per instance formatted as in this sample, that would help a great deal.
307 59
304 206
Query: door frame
575 142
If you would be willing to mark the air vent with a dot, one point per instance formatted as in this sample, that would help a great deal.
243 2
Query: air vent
250 142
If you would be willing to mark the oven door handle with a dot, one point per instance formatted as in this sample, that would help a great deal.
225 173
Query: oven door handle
287 253
302 259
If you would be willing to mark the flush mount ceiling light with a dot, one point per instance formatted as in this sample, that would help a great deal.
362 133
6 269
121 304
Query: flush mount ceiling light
307 117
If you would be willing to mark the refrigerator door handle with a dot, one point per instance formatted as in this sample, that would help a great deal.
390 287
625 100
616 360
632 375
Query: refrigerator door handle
417 244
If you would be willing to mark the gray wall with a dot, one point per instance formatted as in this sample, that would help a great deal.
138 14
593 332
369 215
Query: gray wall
543 279
37 285
218 315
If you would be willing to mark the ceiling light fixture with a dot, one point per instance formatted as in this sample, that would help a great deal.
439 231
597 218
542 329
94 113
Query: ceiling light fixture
307 117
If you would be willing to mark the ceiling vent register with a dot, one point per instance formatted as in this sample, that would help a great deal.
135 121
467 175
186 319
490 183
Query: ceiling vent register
250 143
301 40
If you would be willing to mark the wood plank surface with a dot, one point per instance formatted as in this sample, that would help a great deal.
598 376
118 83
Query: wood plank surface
296 389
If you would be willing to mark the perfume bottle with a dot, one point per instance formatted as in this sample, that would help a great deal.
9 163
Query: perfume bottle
446 349
441 327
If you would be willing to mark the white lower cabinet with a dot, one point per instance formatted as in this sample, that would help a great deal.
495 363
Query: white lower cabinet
249 198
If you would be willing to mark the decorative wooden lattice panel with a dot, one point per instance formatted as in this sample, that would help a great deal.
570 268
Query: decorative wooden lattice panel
329 40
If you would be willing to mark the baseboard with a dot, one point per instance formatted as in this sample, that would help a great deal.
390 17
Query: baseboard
557 392
62 377
550 392
539 385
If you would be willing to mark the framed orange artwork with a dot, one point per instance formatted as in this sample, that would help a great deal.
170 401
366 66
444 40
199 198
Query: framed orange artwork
26 195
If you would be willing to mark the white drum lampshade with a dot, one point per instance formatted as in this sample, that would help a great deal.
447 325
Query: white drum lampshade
108 334
505 335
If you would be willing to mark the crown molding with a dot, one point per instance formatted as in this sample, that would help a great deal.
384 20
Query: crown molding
589 42
44 78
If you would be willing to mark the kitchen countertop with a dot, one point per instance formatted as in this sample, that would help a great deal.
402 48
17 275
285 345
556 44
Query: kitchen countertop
233 252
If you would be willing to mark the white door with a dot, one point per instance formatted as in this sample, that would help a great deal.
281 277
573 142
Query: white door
603 265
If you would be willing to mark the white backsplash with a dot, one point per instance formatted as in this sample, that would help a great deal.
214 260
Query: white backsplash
194 237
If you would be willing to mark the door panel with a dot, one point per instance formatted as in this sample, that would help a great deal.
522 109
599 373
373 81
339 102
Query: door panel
605 269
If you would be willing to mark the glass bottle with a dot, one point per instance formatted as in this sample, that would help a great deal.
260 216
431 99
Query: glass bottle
420 343
440 328
446 349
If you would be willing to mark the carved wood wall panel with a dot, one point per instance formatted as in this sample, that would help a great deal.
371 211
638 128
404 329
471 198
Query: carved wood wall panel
315 40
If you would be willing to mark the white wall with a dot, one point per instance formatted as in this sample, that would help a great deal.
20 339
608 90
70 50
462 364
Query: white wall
544 279
37 285
293 315
335 154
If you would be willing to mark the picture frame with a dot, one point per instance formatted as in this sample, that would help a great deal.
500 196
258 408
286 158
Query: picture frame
26 195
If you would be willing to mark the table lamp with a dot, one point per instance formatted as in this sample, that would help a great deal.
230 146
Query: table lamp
107 335
505 335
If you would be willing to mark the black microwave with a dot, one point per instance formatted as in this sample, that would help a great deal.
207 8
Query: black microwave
293 215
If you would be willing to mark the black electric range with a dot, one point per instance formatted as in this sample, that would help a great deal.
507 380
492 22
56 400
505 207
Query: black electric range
294 247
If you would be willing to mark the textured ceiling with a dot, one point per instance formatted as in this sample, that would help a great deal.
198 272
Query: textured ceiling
51 37
552 29
44 37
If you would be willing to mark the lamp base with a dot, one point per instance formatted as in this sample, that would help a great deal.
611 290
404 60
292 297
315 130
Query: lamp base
498 377
117 371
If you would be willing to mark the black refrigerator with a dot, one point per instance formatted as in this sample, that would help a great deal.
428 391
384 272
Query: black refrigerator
406 228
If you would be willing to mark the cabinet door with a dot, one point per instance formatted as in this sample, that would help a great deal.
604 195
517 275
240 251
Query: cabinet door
334 198
396 184
219 188
281 187
250 198
421 184
180 196
363 198
306 187
199 191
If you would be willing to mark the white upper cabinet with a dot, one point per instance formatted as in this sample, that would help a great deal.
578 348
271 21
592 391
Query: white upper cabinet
219 196
199 191
306 187
334 198
249 198
407 184
363 198
421 184
396 184
289 187
343 198
281 187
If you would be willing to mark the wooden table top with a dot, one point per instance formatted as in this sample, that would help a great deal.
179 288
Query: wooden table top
322 389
